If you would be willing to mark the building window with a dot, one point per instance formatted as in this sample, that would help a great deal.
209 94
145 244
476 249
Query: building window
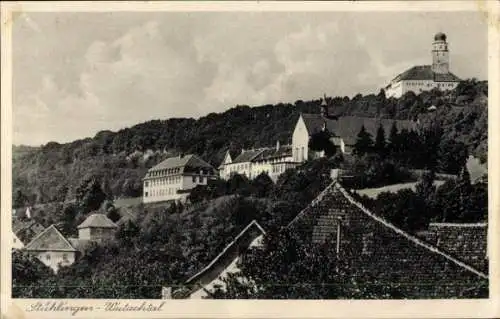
302 153
194 179
146 183
201 179
146 194
65 257
47 257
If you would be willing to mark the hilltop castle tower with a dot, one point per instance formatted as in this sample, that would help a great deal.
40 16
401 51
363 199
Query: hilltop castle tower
440 54
426 77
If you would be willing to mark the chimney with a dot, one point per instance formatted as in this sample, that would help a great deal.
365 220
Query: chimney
277 145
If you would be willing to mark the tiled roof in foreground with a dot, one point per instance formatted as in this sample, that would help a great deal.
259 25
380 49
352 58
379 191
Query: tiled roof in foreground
384 254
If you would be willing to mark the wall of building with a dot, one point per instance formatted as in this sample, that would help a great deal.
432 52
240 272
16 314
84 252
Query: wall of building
417 86
16 242
53 259
96 233
162 188
236 168
191 181
300 141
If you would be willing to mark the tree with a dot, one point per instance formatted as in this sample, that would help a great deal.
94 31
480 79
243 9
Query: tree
379 146
320 141
89 195
393 139
364 142
464 188
19 199
262 185
426 193
452 156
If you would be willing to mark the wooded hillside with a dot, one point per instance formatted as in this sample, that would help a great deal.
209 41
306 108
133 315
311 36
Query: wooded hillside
120 159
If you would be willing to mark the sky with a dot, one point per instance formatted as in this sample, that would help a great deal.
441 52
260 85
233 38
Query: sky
75 74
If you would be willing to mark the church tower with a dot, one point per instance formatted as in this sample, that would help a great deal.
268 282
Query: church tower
440 57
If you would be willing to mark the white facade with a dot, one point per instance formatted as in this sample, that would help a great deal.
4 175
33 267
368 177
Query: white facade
399 88
300 141
173 183
16 242
166 188
252 163
55 259
427 77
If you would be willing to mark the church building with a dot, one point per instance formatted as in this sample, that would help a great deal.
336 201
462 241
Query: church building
426 77
343 131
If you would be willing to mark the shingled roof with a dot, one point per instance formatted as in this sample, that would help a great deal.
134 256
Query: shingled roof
348 127
50 240
335 203
424 72
97 221
26 230
384 256
247 155
224 263
182 163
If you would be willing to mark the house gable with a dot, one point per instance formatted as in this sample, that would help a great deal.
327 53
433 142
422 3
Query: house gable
50 240
384 254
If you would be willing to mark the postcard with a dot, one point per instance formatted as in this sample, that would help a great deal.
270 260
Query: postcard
250 159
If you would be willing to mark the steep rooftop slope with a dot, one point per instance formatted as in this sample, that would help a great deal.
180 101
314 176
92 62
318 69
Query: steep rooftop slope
384 255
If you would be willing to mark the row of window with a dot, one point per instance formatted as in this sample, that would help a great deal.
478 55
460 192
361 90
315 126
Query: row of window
445 84
163 181
239 167
162 192
200 179
167 171
64 257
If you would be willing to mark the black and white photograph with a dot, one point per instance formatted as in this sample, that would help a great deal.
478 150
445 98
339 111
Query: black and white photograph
253 154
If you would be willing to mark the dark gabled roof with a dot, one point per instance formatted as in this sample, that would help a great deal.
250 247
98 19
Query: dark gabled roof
251 234
335 193
50 240
26 230
272 152
348 127
247 156
181 162
424 72
97 221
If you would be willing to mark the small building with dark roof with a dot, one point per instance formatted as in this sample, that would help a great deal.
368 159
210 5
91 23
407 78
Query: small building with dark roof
96 227
173 178
426 77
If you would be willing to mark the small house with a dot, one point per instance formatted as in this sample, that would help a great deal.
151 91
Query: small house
52 248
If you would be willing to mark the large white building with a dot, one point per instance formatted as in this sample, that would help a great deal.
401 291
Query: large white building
426 77
273 161
173 178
